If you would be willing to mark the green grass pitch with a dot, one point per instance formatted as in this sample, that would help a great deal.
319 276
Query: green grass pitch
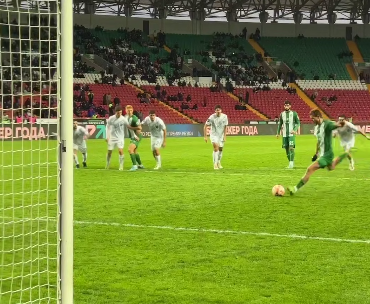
188 234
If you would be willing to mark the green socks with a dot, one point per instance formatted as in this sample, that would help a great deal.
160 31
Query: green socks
138 160
133 159
290 154
300 184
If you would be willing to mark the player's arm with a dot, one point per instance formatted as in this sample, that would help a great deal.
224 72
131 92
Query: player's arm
354 128
317 151
87 135
297 123
226 124
207 124
164 136
108 129
280 124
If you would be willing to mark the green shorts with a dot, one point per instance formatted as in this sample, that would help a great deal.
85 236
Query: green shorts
289 142
136 142
325 160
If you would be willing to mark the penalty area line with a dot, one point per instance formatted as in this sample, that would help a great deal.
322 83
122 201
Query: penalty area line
231 232
255 174
15 221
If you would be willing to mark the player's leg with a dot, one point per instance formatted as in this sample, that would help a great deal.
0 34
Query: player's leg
348 149
131 151
216 151
83 150
285 145
291 153
220 150
111 146
75 156
156 143
320 163
121 156
338 160
137 156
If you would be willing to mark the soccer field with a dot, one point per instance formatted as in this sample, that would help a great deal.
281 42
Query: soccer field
190 234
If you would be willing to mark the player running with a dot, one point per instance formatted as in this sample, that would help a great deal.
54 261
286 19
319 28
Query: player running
289 123
324 149
158 135
135 138
347 138
218 122
79 143
116 136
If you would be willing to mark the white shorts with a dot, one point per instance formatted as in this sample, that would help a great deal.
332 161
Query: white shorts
156 142
115 143
217 140
82 148
347 145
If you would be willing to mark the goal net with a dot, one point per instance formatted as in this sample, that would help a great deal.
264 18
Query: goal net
29 152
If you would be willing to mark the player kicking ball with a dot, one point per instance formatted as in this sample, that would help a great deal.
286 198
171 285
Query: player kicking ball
289 123
324 156
158 135
218 123
347 138
116 136
80 135
135 138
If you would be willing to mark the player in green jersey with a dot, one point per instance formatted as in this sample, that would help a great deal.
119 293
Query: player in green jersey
135 138
324 156
289 123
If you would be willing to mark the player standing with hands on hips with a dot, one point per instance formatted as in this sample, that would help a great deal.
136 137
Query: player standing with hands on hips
218 122
289 123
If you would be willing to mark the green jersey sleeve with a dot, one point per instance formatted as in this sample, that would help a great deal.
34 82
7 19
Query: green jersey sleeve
280 123
297 122
135 121
330 126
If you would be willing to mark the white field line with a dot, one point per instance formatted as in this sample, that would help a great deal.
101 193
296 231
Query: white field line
255 174
191 229
235 232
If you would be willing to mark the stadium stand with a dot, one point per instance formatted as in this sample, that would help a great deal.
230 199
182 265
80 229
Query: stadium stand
364 47
350 98
311 58
202 103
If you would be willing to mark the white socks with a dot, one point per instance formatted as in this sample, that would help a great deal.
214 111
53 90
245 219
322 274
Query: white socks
121 160
75 157
84 155
158 159
215 157
219 155
108 159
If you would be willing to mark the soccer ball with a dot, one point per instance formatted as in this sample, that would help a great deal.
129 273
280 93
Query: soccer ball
278 190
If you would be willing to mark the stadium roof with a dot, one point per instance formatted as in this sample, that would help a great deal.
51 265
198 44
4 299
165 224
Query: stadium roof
242 10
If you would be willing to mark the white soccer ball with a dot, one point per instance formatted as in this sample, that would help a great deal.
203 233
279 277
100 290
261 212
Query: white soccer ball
278 190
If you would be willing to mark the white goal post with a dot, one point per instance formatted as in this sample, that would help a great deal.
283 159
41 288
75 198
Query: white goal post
36 151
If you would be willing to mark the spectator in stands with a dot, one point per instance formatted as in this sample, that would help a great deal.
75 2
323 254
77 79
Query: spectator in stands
116 101
111 108
188 98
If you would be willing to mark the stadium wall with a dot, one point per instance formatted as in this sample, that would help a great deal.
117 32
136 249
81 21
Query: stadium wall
97 130
210 27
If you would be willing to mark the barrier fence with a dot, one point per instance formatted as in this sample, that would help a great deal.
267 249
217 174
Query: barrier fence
97 130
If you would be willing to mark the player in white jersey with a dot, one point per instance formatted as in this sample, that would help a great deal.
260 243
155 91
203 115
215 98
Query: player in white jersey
218 123
347 138
158 135
79 143
116 126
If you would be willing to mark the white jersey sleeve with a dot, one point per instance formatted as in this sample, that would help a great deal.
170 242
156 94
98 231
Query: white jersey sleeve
210 120
146 121
351 126
162 124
